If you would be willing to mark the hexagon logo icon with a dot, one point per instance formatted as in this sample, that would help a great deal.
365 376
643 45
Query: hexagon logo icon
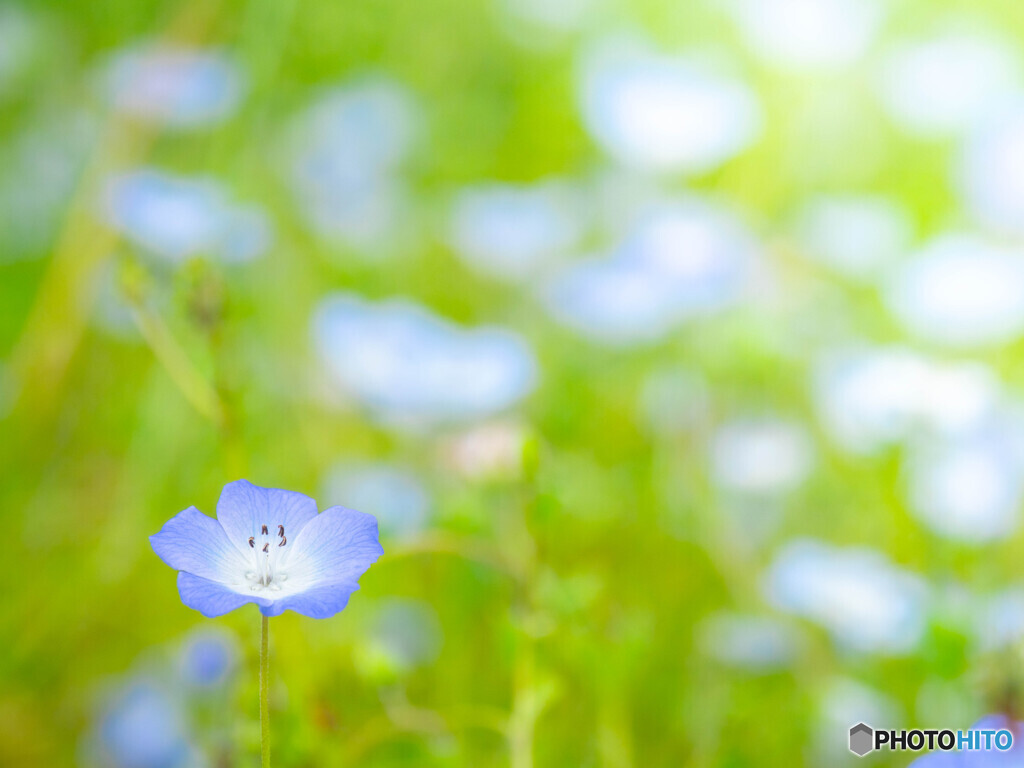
862 739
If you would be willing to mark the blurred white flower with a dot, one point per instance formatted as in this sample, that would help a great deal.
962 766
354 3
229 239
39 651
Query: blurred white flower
177 217
970 488
853 235
411 367
665 113
563 16
39 170
491 450
512 230
395 496
178 87
842 703
875 397
867 604
673 400
990 172
19 43
751 643
961 291
938 86
683 259
408 632
761 456
346 153
808 35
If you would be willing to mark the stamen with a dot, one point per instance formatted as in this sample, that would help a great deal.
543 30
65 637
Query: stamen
264 530
266 547
284 540
252 542
280 530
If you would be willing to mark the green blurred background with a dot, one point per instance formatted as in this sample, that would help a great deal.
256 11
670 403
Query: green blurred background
675 345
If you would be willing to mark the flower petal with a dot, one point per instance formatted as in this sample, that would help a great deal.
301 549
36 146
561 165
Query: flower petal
320 602
244 508
338 545
190 541
211 598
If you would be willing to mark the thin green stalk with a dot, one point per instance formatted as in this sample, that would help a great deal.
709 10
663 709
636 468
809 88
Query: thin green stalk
196 390
264 691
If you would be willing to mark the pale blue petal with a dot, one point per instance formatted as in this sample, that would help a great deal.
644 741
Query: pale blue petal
191 541
319 602
211 598
244 508
336 546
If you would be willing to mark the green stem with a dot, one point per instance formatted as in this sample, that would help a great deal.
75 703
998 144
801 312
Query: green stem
264 698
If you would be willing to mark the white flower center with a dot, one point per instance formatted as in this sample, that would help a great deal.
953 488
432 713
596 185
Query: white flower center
268 550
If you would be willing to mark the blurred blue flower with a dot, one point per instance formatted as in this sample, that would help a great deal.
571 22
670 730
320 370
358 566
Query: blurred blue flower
269 547
961 291
347 150
853 235
938 86
664 113
752 643
682 259
208 657
143 727
762 456
875 397
970 488
412 367
808 35
179 87
395 496
868 604
512 230
177 217
990 171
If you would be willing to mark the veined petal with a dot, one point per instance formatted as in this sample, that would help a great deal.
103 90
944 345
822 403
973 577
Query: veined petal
212 598
244 508
319 602
337 546
190 541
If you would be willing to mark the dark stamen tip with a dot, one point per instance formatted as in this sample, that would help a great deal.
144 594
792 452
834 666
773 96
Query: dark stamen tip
266 547
284 540
280 531
263 530
252 542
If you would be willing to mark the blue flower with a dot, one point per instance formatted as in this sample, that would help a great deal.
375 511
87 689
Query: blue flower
269 547
178 87
177 217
